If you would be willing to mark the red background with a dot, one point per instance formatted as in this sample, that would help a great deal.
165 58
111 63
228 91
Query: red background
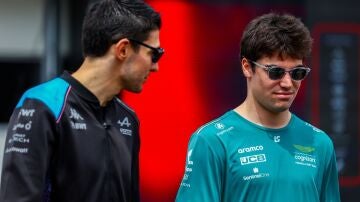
199 78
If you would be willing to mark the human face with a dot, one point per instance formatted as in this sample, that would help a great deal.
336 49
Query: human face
274 95
140 64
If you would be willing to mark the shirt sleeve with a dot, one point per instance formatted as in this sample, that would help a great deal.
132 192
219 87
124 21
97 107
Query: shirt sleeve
204 169
330 185
27 152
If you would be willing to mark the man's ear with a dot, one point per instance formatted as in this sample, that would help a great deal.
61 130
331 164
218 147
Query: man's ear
246 67
122 49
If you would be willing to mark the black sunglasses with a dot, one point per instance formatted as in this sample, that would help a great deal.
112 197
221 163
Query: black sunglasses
156 52
275 72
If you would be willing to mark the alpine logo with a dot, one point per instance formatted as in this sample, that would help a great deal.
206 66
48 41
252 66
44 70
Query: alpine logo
125 123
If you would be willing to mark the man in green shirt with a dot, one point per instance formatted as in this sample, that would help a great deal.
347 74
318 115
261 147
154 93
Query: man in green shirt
260 151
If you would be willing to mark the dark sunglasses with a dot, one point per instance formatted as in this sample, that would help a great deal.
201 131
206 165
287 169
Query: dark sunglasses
156 52
275 72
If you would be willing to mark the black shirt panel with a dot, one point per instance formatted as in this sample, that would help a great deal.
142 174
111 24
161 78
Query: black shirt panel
84 152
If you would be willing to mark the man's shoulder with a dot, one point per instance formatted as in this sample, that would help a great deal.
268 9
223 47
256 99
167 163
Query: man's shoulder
126 108
51 93
216 127
309 128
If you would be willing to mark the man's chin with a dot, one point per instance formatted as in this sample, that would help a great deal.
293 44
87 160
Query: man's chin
282 108
135 90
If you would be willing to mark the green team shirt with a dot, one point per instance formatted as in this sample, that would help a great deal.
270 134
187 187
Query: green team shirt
232 159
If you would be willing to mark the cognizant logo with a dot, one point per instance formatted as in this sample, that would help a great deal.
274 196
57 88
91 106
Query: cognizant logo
250 149
305 158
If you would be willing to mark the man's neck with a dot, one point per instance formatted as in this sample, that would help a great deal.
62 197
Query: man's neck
95 77
261 116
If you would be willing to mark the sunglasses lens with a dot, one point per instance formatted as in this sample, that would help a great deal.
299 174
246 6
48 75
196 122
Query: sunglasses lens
154 58
298 74
276 73
156 55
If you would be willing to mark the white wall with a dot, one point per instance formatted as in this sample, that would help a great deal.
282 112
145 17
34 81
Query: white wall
2 142
21 28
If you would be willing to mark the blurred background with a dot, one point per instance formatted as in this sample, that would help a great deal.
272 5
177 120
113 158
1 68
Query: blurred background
200 76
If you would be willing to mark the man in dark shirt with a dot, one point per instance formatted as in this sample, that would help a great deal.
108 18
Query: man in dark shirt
71 138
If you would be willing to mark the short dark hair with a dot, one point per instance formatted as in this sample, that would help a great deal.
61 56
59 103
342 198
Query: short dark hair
272 34
107 21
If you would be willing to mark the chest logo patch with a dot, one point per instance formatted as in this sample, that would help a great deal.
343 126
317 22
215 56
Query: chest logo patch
304 149
124 126
259 158
220 126
76 120
303 156
255 175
